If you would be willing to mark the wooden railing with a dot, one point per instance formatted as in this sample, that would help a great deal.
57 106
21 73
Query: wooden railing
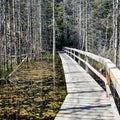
112 73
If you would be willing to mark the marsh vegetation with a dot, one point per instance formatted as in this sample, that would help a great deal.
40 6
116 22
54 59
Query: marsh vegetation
36 92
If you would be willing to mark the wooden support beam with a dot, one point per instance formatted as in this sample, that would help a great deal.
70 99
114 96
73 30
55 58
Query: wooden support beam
108 78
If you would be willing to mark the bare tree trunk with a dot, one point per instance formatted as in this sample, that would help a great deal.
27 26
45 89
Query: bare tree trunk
54 43
83 15
10 34
86 32
34 27
40 27
65 21
28 28
73 18
5 36
91 27
14 28
115 27
1 2
19 33
45 32
80 25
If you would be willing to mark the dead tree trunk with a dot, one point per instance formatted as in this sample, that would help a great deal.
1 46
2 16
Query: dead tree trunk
5 36
40 27
54 44
115 29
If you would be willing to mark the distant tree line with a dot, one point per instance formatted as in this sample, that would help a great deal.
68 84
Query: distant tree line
26 30
93 25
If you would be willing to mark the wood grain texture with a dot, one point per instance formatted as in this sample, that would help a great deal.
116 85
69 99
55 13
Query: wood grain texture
85 100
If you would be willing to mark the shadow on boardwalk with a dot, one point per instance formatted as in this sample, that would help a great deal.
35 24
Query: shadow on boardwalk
85 100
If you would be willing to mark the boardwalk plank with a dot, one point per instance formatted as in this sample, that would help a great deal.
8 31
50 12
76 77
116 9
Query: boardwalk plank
85 100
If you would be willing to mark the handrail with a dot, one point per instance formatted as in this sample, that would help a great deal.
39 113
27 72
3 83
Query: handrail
112 73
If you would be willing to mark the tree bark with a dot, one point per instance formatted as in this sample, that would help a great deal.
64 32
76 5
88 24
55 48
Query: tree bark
115 29
54 43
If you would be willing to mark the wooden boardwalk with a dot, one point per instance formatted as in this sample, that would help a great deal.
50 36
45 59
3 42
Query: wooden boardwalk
85 100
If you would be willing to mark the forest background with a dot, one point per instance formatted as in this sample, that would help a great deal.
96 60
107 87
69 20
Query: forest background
26 28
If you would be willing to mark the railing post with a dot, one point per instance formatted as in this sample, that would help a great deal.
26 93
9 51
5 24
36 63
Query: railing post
64 49
108 78
108 81
74 55
79 57
86 59
70 52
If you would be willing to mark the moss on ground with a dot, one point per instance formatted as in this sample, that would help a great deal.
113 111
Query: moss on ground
33 95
